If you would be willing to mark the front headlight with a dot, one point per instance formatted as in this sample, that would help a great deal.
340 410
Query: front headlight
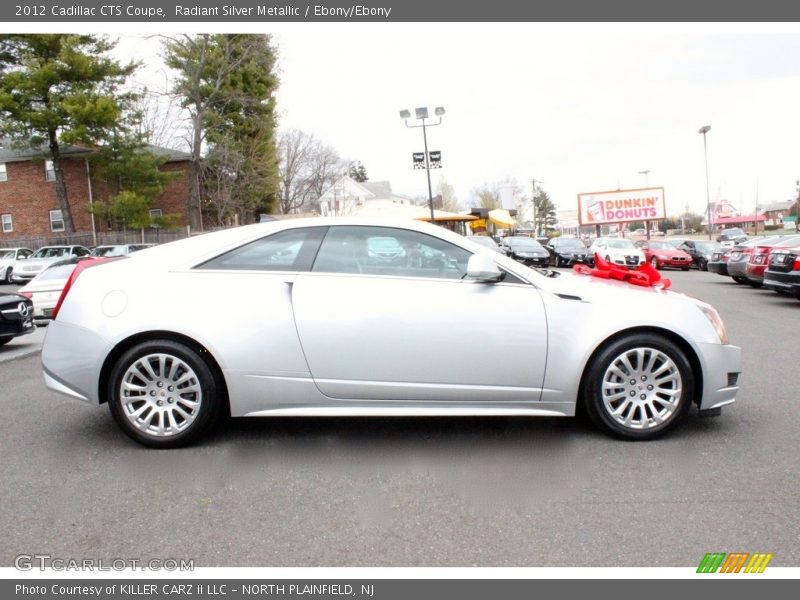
712 315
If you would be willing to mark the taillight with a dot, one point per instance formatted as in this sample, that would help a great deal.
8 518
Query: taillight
796 265
84 264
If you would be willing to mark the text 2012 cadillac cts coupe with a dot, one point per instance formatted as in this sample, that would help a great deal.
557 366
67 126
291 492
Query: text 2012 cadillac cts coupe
299 318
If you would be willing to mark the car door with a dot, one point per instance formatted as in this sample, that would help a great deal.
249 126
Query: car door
413 327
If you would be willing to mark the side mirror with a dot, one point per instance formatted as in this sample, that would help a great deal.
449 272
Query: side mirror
481 267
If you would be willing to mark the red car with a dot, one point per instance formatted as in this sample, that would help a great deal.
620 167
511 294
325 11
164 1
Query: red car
662 254
759 259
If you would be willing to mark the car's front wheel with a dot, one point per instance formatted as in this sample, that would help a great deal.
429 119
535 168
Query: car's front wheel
638 387
163 394
7 276
654 262
702 264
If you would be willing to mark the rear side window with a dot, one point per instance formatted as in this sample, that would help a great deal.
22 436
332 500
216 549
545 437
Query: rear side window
291 250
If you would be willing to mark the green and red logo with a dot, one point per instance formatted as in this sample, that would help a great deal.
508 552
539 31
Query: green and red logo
734 562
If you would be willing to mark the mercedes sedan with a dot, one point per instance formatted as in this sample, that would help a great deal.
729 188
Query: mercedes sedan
299 317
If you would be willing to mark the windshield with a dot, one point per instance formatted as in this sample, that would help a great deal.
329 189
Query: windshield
569 243
660 246
59 271
484 241
525 243
624 244
51 252
706 246
109 251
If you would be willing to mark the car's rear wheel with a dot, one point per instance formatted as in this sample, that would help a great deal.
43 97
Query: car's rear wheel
559 261
702 264
638 387
163 394
654 262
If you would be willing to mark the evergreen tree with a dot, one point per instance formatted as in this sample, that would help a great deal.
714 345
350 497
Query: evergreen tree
358 173
227 83
59 89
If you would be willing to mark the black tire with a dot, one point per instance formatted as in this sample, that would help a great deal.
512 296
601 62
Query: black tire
7 275
702 264
559 261
654 262
739 279
592 388
199 371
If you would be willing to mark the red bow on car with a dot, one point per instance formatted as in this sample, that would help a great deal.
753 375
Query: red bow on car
645 275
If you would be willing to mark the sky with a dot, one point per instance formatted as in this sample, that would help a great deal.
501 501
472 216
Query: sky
579 107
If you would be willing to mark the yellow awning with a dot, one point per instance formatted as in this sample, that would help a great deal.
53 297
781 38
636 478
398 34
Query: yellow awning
501 218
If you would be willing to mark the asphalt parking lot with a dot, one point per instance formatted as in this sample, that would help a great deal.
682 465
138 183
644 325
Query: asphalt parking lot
419 492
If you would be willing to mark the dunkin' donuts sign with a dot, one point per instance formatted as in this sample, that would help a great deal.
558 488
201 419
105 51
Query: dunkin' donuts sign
599 208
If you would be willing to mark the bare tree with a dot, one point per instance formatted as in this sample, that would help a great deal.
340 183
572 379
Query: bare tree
487 196
307 169
449 200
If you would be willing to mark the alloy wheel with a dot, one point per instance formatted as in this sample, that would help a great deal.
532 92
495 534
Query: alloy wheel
641 388
160 395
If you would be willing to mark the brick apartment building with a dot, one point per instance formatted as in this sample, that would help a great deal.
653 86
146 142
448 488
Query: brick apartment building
29 204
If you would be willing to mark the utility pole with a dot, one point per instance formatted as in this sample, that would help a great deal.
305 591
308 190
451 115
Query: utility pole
533 204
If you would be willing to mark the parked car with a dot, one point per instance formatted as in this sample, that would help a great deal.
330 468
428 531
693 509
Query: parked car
314 336
486 241
566 251
700 251
45 289
732 235
526 250
719 261
783 272
732 261
759 258
617 251
662 254
118 249
33 265
16 316
8 260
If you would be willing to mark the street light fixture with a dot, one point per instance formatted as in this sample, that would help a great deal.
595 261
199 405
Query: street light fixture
704 130
421 115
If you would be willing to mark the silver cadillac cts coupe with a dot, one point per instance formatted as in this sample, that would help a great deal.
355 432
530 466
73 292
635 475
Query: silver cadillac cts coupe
327 317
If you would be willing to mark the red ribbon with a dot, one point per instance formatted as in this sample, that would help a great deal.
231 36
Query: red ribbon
646 275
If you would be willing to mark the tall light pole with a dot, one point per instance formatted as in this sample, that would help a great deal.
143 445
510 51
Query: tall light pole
422 115
646 174
704 130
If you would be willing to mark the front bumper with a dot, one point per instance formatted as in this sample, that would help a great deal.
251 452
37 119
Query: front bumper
722 365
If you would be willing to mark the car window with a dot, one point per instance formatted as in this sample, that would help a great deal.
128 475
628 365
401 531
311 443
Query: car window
291 250
6 254
388 251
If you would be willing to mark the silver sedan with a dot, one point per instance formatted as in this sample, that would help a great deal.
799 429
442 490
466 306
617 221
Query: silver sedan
306 317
